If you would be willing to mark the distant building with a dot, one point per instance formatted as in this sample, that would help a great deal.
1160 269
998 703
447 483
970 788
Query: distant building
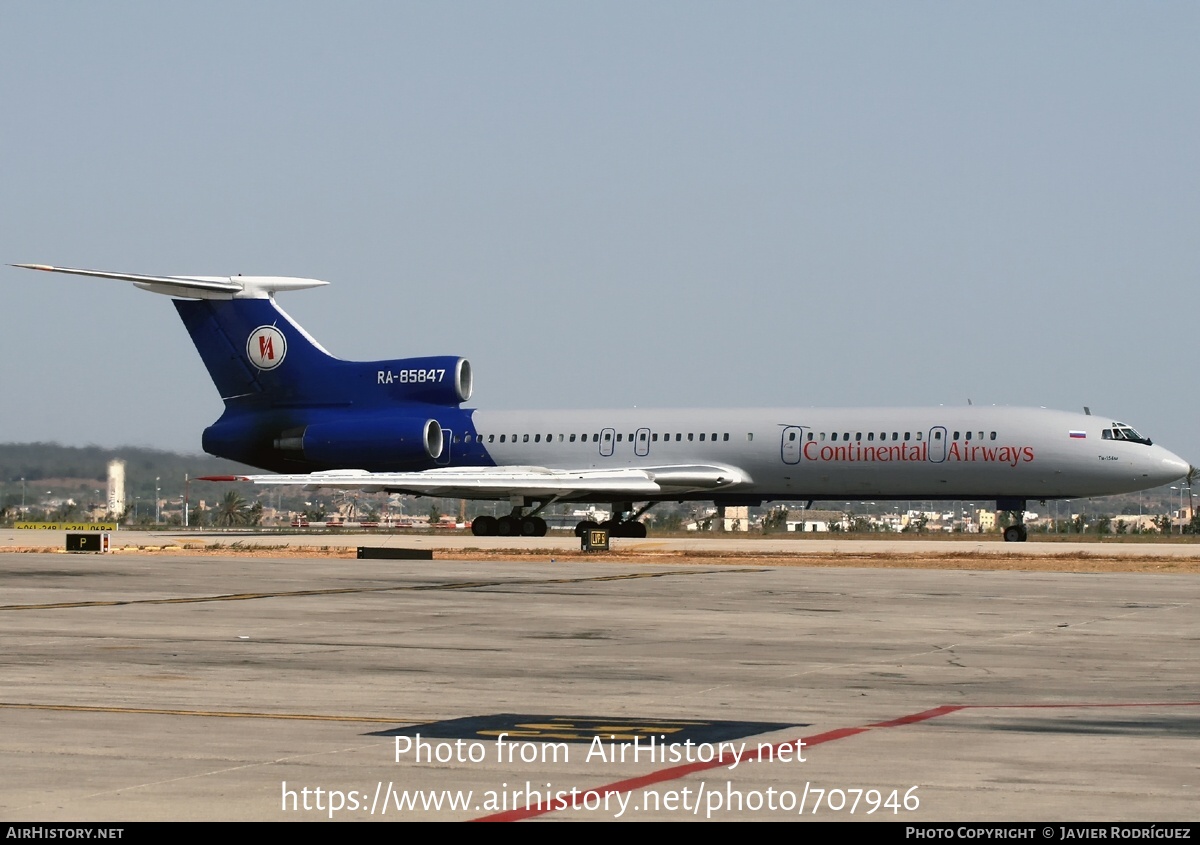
806 520
737 518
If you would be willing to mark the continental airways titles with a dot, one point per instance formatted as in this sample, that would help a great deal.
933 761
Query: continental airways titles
1011 455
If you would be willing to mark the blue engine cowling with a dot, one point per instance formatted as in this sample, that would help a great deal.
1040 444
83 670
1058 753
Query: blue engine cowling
367 441
308 442
438 380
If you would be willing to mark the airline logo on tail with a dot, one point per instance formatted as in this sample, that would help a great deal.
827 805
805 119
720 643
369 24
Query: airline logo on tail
266 347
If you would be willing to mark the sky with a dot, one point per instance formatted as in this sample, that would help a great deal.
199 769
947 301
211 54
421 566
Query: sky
612 204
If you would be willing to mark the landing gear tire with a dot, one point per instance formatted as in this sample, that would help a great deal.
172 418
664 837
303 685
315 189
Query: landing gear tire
484 526
1016 534
629 528
533 526
582 528
508 526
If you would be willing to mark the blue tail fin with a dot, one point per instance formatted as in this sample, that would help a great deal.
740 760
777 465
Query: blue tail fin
259 358
293 407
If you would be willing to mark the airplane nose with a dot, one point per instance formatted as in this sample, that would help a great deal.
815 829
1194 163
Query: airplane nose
1166 467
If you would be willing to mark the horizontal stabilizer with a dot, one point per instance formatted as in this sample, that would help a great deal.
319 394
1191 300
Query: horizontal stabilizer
196 287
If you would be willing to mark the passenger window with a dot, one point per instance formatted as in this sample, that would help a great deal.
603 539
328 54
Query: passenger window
678 436
749 436
525 438
993 435
654 437
725 437
501 438
792 436
858 437
537 438
619 436
833 436
871 437
572 438
906 436
968 435
690 437
702 437
810 437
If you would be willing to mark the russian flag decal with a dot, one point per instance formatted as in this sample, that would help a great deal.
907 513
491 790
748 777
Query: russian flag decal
1079 434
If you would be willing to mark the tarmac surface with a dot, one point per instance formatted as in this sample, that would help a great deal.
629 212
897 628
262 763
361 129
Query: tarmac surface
226 687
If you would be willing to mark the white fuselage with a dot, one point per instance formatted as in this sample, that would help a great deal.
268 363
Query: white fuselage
852 453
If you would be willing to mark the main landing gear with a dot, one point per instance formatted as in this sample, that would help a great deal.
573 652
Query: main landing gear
624 522
1016 533
515 524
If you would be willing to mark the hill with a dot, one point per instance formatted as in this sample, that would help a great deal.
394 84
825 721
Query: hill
82 471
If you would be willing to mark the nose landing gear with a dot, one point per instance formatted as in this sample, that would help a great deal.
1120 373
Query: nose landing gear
1016 533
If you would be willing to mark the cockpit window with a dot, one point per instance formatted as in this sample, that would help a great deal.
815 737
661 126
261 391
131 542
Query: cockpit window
1120 431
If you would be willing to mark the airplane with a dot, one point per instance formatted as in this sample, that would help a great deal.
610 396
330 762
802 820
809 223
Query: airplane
400 426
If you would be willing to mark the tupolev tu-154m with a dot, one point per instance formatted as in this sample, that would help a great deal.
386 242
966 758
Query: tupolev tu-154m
400 426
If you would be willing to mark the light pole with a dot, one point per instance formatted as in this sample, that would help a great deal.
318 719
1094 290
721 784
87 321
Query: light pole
22 495
157 507
1180 511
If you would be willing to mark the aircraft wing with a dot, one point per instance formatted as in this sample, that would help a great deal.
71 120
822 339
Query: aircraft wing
534 482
